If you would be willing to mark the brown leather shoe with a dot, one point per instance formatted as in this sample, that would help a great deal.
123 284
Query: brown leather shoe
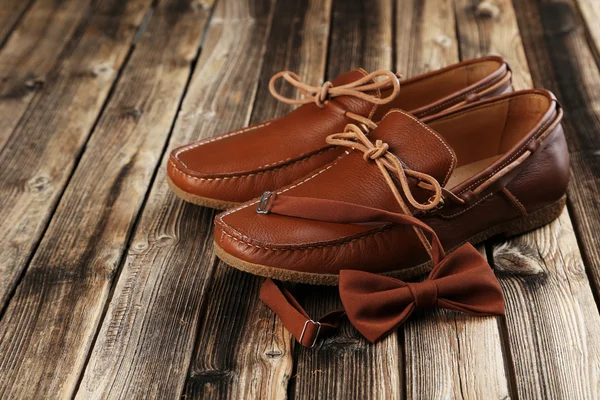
235 167
500 166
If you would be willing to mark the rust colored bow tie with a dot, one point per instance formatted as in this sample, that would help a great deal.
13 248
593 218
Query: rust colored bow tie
463 281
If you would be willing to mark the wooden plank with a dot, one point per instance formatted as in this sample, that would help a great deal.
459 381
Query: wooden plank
37 160
553 323
585 188
361 36
11 12
553 348
561 60
45 34
50 322
465 352
145 345
425 36
246 352
590 11
490 27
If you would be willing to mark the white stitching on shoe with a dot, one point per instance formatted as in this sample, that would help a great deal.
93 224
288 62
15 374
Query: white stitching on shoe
215 139
279 192
251 174
452 157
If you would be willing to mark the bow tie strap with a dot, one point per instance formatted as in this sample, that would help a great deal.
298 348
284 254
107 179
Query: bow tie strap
358 88
294 318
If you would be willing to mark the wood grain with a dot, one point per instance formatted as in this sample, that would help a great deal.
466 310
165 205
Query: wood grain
361 36
425 36
30 58
11 12
59 303
247 353
490 28
39 156
560 60
146 341
346 365
553 323
590 11
174 322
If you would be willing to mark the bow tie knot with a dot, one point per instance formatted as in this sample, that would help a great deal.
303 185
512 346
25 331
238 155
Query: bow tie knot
425 293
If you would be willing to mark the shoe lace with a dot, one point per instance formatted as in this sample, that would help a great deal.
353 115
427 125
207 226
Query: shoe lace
353 137
320 94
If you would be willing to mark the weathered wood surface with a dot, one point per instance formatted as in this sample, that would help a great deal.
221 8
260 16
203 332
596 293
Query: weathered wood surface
490 27
39 155
590 12
11 12
60 300
29 61
425 36
121 296
552 319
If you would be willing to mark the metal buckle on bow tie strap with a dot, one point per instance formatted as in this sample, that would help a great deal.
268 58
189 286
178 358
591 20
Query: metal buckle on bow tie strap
263 203
318 324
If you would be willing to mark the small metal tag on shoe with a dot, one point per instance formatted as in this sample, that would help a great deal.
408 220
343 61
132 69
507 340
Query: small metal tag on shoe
263 203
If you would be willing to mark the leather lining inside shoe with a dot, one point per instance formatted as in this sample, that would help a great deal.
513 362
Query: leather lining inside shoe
421 91
466 171
480 136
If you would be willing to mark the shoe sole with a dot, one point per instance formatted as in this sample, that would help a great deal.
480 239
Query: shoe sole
514 227
199 200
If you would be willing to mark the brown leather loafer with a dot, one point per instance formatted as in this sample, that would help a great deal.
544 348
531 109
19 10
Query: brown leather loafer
499 166
235 167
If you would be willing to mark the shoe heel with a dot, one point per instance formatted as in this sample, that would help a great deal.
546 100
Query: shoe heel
536 219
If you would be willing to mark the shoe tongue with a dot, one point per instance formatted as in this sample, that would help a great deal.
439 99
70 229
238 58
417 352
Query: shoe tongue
351 103
418 146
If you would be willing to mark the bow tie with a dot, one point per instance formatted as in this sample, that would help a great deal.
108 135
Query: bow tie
463 281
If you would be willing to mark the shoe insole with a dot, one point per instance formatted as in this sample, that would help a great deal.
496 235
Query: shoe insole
466 171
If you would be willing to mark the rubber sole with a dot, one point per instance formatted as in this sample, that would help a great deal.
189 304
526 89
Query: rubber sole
200 201
514 227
